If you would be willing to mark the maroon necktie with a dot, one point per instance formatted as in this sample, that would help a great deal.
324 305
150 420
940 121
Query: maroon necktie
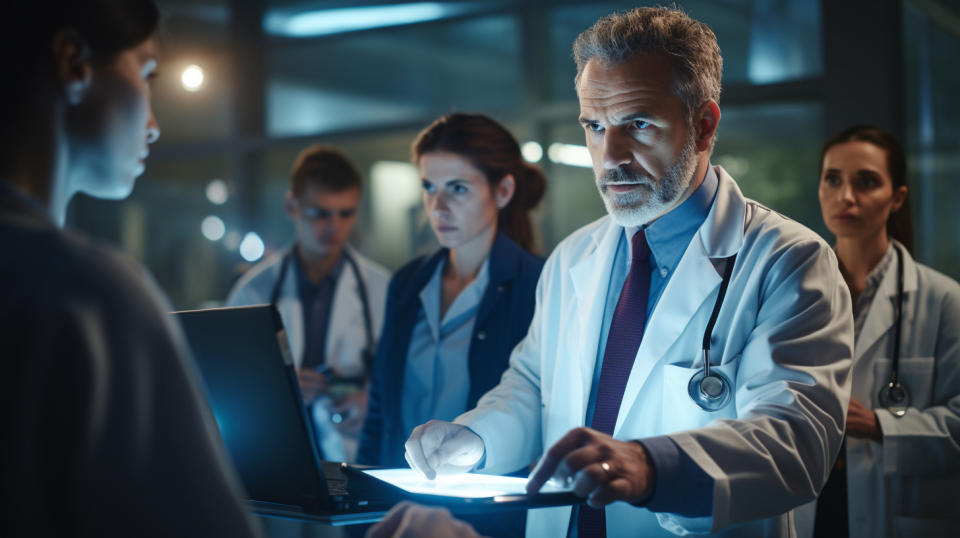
623 341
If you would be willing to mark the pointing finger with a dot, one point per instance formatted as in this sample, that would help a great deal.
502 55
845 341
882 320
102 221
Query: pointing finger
416 456
547 465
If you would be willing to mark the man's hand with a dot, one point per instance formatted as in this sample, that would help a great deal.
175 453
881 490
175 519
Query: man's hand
408 520
350 411
863 422
443 447
601 468
312 383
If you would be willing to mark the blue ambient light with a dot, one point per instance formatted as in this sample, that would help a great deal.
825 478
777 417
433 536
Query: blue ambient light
321 22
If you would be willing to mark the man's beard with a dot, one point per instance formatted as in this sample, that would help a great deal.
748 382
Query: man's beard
652 198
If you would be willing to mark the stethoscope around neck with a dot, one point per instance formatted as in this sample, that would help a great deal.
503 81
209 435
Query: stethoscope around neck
894 395
710 389
370 347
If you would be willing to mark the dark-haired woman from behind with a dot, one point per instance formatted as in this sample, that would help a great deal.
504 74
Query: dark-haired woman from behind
898 472
453 318
106 431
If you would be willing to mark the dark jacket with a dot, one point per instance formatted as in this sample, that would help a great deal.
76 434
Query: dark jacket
502 321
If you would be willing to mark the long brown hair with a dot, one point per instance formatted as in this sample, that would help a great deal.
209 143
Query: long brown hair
491 148
900 223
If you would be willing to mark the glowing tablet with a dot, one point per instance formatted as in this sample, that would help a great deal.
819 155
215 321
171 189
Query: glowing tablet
465 485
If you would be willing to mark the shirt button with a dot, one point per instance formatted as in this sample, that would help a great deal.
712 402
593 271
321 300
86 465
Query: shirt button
663 271
500 288
481 335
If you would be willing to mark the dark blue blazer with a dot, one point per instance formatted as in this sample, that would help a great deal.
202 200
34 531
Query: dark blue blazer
503 318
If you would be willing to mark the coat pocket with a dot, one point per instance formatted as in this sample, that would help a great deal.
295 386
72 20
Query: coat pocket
915 373
680 412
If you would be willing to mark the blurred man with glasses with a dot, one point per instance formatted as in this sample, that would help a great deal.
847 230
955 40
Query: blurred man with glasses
330 297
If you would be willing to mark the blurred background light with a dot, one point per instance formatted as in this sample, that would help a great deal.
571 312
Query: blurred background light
192 78
395 189
320 22
570 155
213 228
532 151
231 241
735 166
251 248
217 192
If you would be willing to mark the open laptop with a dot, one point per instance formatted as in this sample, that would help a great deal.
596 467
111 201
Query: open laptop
251 383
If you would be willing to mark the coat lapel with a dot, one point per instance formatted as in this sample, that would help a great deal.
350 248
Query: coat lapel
882 312
692 282
503 266
408 304
291 311
591 278
695 279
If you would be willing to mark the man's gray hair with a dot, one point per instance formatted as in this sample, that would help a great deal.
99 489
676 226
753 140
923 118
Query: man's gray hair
690 44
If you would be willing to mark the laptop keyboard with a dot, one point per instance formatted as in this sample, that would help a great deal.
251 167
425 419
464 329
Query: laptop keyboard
337 487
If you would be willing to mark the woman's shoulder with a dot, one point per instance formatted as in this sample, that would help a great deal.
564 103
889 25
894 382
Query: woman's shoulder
935 285
527 261
112 276
64 276
411 271
410 268
531 266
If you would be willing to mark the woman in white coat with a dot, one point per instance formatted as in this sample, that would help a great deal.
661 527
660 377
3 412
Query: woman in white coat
899 472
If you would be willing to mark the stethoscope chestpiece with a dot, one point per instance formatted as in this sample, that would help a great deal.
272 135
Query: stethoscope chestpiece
895 397
711 392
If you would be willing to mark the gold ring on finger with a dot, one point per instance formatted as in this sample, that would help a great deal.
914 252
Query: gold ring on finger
606 468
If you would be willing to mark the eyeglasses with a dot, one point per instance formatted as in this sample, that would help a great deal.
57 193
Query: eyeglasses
320 213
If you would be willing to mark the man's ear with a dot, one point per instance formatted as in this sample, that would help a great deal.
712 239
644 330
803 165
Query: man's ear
708 119
73 65
504 191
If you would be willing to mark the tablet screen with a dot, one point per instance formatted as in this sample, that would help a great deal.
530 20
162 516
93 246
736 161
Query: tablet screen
465 485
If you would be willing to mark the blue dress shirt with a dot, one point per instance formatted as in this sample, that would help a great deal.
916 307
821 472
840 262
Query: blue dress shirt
436 381
316 301
690 490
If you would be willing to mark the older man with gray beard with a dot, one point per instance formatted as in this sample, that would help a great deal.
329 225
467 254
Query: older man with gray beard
687 367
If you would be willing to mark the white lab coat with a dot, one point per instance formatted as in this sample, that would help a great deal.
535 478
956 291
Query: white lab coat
907 486
784 337
346 334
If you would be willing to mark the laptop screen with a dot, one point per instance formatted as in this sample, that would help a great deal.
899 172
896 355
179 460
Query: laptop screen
256 402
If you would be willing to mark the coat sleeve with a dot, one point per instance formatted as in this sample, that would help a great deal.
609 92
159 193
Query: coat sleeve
927 441
792 391
508 417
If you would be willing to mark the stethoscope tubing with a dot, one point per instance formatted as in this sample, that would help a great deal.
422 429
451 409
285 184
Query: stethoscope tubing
711 391
894 396
361 291
708 331
895 371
